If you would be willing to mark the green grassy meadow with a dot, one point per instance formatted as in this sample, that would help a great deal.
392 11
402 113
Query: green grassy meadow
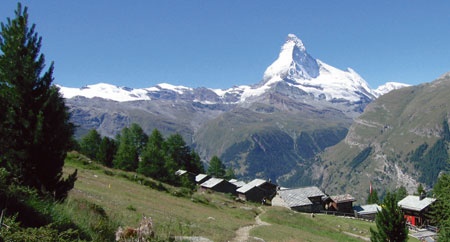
104 199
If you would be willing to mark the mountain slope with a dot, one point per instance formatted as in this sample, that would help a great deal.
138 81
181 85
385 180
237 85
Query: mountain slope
399 140
301 106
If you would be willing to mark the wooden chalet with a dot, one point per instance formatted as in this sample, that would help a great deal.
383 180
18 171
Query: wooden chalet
305 199
218 185
341 203
257 190
416 209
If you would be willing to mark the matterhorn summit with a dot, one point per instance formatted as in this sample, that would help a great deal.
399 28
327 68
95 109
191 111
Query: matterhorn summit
299 69
293 61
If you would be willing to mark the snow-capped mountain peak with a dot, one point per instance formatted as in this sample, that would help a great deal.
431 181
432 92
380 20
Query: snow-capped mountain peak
293 60
106 91
389 86
297 68
294 68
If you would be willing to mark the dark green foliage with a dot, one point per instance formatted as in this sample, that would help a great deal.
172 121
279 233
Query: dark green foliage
106 151
127 155
445 131
306 146
400 193
420 190
36 132
270 149
152 163
328 137
180 155
361 157
440 211
90 144
138 136
27 207
418 154
430 161
390 221
216 168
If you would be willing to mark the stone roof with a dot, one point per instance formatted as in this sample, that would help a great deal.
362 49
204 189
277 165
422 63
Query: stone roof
247 187
367 209
342 198
300 196
414 203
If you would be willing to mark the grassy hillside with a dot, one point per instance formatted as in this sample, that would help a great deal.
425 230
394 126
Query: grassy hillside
104 199
125 197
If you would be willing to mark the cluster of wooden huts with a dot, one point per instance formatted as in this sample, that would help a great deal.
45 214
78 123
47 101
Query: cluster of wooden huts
309 199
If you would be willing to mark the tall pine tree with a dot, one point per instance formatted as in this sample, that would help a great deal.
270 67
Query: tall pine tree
390 221
36 131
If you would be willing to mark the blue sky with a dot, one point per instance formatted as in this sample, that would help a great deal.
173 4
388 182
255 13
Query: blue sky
219 44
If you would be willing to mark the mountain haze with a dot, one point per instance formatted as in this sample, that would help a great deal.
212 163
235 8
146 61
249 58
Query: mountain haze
300 107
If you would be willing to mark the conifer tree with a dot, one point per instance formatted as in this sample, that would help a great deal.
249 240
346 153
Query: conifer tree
106 151
127 156
35 128
90 144
440 211
216 168
153 161
390 221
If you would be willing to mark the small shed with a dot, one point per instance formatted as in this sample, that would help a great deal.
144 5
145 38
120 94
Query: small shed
305 199
257 190
368 211
200 178
416 209
218 185
342 203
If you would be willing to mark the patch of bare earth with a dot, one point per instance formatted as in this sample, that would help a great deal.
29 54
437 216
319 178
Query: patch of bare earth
243 233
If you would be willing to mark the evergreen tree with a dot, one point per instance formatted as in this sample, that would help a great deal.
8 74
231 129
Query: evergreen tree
420 190
153 162
106 151
440 211
90 144
400 193
139 137
36 132
196 165
127 156
216 168
390 222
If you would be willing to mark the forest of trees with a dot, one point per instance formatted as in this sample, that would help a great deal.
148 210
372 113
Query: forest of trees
150 155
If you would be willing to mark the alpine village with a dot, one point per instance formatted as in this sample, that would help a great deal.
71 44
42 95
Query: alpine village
310 153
